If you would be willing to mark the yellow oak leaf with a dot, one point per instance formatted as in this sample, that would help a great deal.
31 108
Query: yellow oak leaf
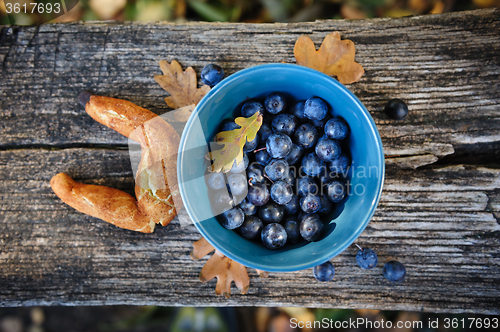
233 141
181 85
335 57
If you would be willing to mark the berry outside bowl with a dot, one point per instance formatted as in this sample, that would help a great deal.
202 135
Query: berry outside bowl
348 219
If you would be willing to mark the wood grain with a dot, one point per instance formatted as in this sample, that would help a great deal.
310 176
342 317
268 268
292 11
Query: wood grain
439 213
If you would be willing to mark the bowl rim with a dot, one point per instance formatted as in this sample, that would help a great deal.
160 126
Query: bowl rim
309 71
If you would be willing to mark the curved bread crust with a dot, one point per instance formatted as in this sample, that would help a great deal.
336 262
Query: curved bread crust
120 115
109 204
156 181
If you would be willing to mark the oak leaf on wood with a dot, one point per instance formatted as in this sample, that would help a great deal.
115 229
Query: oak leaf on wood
335 57
222 268
182 87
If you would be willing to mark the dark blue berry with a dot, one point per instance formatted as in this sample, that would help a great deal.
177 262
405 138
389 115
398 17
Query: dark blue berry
292 226
340 165
232 219
298 110
278 145
251 228
302 215
277 169
274 236
326 205
306 185
281 192
248 208
311 227
310 203
255 174
336 128
212 74
238 184
293 206
394 271
251 145
290 177
366 258
271 213
251 107
284 124
228 125
336 191
296 152
312 165
396 109
324 272
306 135
262 157
275 103
264 132
328 149
216 180
315 108
258 194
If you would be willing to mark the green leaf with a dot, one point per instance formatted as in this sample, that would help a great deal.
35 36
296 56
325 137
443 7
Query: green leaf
233 142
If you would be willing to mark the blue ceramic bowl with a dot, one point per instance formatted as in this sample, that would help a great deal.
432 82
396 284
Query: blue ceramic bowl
348 219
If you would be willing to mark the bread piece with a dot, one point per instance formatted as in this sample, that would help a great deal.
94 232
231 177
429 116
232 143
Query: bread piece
109 204
156 180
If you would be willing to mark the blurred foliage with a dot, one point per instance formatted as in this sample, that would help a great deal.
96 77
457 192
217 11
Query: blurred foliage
256 11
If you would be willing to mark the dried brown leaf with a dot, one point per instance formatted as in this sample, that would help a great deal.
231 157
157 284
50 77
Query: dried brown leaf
335 57
181 85
222 268
201 249
226 271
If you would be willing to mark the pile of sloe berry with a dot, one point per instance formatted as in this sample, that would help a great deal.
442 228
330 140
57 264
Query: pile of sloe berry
291 175
303 135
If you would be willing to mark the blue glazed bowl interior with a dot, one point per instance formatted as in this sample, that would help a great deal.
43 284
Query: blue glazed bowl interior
348 219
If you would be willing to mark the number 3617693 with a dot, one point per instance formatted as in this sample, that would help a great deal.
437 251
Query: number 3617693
471 323
32 8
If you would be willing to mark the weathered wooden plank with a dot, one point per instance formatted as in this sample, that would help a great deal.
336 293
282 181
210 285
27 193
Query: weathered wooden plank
443 223
445 67
440 223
